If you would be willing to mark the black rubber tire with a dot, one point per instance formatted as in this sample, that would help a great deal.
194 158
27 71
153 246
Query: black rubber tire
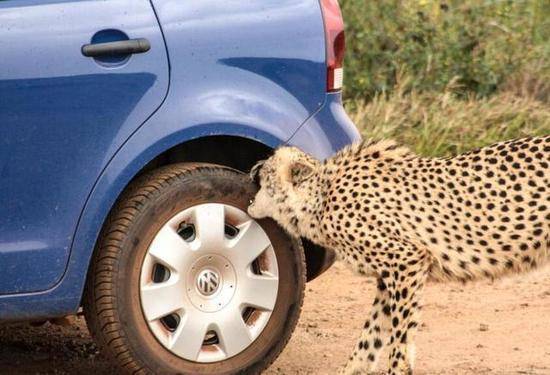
111 301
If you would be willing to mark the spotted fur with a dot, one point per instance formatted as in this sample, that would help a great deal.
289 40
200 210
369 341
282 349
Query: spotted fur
404 219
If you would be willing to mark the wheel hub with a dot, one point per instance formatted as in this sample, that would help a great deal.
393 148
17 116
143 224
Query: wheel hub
215 283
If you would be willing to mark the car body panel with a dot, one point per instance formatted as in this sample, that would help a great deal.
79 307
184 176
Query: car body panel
62 117
232 59
246 85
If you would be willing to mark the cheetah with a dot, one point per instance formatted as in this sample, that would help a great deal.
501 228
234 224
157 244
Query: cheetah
406 219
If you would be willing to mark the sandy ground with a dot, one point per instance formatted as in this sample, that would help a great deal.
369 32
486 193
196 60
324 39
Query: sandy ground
483 328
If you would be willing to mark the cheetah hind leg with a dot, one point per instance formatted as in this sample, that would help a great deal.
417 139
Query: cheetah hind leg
364 357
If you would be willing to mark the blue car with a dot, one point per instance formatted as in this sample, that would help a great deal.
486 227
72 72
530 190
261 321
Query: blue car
127 128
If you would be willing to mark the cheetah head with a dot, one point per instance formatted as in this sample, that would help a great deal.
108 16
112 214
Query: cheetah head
288 189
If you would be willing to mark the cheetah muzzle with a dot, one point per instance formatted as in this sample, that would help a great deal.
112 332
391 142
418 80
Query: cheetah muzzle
405 219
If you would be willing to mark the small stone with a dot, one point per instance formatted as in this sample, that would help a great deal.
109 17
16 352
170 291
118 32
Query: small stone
483 327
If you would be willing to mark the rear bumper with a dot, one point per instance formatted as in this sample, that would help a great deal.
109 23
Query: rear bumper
323 134
326 131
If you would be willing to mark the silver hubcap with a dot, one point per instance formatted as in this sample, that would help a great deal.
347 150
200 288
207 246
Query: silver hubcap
209 282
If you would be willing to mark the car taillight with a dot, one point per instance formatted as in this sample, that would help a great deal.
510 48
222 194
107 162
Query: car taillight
335 43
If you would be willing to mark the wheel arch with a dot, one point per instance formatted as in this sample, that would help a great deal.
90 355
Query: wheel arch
241 154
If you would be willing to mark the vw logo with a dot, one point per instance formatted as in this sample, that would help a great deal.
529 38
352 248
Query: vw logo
208 282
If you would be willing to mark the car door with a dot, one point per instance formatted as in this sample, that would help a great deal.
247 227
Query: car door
77 78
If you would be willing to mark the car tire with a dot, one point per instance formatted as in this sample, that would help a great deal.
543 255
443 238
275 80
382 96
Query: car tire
116 304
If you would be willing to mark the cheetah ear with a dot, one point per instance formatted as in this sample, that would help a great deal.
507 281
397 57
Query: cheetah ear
301 171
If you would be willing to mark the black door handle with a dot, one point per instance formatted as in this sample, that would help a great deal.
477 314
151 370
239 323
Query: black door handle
122 47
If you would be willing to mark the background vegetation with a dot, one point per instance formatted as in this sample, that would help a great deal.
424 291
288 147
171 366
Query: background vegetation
446 76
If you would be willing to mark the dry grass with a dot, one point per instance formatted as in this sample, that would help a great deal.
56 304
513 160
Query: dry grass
441 124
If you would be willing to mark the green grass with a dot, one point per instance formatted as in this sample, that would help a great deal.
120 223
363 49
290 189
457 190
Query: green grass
479 44
446 76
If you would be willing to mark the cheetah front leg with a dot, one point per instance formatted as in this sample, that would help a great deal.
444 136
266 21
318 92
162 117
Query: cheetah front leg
405 286
365 355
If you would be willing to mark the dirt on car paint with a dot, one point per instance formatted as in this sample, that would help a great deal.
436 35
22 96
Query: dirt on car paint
500 327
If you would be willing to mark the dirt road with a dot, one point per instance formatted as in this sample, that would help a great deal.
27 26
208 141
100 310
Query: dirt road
484 328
